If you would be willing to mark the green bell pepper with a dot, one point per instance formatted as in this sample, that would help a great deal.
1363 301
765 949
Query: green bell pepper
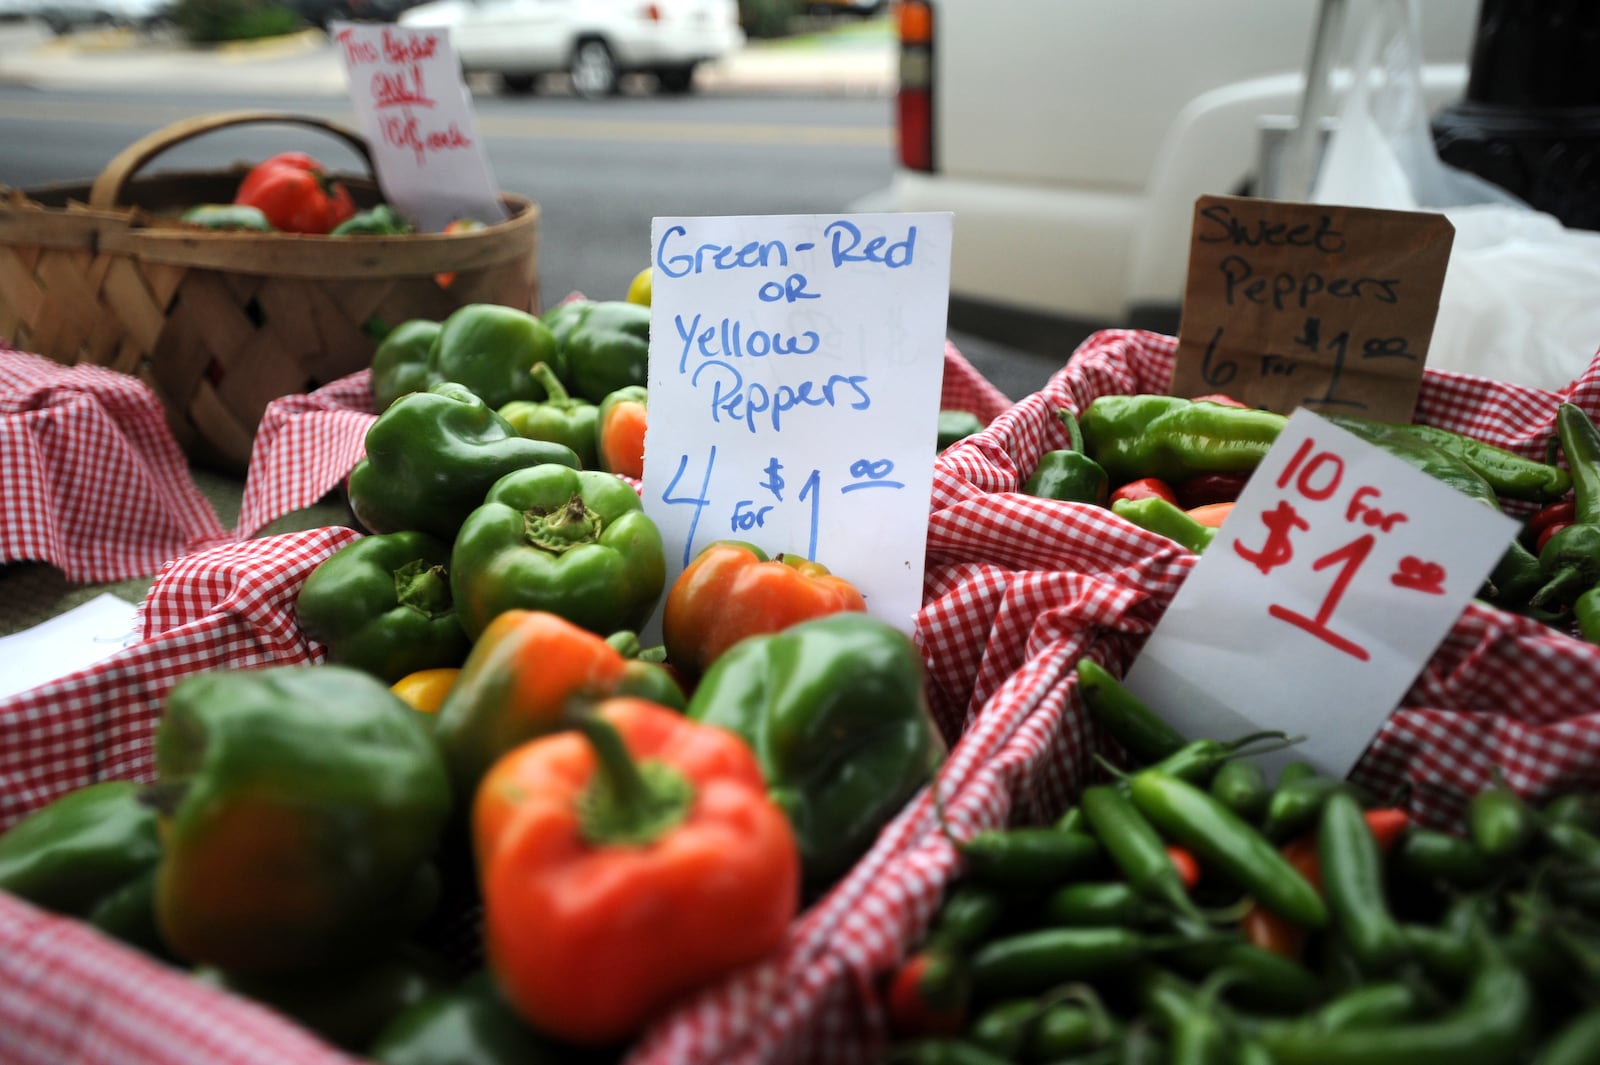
835 710
564 317
92 853
492 349
608 348
382 604
400 362
300 810
1067 473
560 418
433 455
228 216
955 425
379 221
577 544
469 1025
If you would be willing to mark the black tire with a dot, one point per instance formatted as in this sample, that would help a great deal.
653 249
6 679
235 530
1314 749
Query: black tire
519 84
593 69
676 81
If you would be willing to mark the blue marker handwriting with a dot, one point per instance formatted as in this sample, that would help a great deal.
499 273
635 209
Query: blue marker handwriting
747 515
735 400
727 338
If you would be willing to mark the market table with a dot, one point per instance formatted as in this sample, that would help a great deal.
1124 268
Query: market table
1017 590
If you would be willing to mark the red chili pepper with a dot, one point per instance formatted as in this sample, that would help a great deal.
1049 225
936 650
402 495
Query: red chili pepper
1145 488
1562 512
296 194
1547 532
1206 488
1188 868
924 997
1220 398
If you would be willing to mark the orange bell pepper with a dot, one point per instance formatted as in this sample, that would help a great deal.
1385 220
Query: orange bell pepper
624 417
518 680
626 864
1211 515
732 589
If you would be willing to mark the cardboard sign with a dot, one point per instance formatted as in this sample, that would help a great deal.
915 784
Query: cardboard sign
796 363
1333 580
1291 304
416 114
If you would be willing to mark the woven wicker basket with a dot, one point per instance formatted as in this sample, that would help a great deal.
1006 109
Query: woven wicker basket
219 324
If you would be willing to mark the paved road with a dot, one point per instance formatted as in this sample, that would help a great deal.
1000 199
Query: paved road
309 63
46 76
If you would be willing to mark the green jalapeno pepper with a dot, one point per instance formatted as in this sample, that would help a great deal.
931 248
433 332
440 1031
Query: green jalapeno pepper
1241 786
1156 515
1353 884
1029 857
1570 559
1067 473
1136 848
1500 823
1230 845
1137 728
1489 1026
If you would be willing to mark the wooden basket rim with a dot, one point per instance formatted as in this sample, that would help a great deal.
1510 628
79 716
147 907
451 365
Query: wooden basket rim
134 232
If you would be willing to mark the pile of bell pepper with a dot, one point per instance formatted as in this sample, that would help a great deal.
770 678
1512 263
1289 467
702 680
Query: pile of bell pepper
1188 909
1174 466
486 734
291 192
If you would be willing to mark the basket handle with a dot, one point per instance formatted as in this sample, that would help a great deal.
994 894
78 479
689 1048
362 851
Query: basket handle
107 188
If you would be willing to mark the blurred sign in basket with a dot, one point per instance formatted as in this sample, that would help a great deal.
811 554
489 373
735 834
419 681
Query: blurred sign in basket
220 323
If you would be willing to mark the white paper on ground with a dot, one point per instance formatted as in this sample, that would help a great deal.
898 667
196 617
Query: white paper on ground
66 643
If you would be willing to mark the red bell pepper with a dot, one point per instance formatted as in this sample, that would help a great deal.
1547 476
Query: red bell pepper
626 864
1144 488
296 194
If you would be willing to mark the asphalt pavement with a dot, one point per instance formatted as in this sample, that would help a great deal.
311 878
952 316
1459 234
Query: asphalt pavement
860 60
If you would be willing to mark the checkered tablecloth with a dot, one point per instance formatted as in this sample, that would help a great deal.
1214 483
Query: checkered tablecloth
94 483
1017 589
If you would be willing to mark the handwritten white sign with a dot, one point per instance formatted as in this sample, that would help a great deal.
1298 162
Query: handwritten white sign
1332 582
796 364
417 116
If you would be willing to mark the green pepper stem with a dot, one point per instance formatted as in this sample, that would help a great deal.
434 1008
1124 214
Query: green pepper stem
571 525
1074 431
555 391
424 588
627 803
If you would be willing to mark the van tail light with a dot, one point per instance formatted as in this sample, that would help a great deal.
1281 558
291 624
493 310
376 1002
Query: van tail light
651 13
915 99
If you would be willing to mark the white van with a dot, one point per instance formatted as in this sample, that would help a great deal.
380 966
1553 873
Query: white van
1071 137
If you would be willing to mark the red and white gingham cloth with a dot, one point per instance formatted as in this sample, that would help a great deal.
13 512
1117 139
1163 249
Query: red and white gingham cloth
95 485
1017 590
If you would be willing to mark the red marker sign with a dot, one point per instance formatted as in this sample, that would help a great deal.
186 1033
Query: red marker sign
1335 577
